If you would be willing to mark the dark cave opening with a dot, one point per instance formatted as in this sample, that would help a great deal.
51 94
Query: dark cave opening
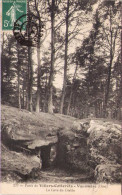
45 156
48 156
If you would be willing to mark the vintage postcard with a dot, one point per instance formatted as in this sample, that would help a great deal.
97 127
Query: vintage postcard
61 97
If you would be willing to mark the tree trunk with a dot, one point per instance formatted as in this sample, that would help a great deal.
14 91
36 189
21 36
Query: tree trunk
46 94
30 76
71 92
18 79
23 97
69 102
108 80
19 92
38 80
65 59
30 80
38 61
119 94
110 66
50 98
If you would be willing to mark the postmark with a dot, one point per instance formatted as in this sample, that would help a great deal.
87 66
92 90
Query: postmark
11 11
30 31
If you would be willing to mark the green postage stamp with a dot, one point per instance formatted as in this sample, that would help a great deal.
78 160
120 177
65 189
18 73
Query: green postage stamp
11 11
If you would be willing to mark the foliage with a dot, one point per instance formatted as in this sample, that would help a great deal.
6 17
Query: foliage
92 71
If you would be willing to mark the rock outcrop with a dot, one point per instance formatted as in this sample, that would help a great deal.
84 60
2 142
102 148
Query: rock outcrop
104 143
22 166
73 150
27 139
94 146
32 141
108 173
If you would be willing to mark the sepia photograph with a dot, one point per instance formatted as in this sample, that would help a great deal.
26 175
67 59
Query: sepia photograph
61 97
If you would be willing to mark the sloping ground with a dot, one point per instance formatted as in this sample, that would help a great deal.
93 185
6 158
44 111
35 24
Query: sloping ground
90 147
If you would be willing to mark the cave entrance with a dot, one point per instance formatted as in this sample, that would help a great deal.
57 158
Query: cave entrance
48 156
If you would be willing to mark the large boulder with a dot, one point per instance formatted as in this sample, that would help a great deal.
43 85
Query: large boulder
108 173
29 130
104 142
94 146
18 164
72 147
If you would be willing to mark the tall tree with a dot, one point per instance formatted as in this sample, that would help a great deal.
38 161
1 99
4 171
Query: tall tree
52 7
18 78
91 67
111 32
72 16
65 58
30 80
38 57
71 90
8 70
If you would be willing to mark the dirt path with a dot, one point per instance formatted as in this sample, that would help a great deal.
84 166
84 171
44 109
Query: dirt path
61 176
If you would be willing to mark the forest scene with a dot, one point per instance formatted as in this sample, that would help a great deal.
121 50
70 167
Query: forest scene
62 98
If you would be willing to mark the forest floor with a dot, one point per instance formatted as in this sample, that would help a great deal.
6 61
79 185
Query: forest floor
52 175
56 175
